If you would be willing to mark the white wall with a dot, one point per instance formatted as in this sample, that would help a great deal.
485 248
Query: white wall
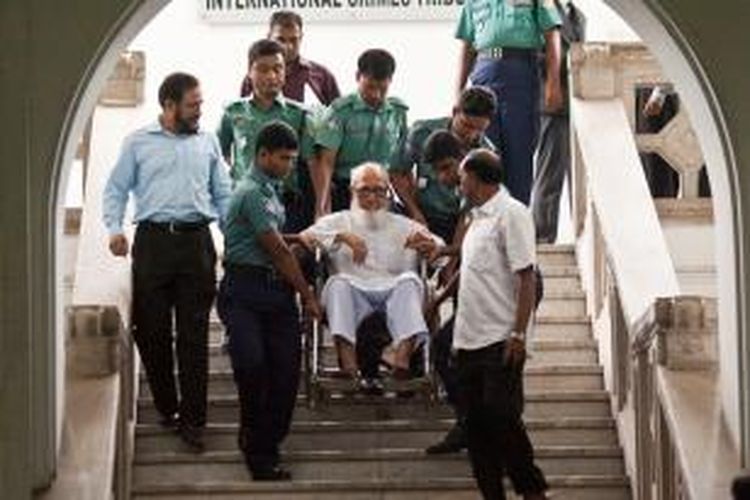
426 53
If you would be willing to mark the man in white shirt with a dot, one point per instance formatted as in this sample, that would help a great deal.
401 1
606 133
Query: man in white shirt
496 297
374 260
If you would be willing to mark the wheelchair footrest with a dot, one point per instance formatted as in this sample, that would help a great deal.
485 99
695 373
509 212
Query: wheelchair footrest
332 384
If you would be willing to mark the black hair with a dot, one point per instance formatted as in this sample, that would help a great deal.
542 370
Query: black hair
174 86
440 145
485 165
261 48
276 135
285 19
478 101
376 63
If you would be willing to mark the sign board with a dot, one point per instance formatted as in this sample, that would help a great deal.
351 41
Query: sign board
259 11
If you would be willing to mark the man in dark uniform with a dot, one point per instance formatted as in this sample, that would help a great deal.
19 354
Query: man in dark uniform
363 126
444 152
180 183
500 41
257 303
424 173
425 199
302 74
244 118
553 157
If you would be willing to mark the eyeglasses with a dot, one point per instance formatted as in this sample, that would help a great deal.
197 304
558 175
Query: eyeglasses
380 192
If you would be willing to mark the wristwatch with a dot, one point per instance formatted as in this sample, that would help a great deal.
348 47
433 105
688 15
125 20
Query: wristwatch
518 336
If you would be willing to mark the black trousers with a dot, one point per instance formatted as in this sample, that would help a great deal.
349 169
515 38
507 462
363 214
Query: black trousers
174 283
262 321
497 438
445 365
552 166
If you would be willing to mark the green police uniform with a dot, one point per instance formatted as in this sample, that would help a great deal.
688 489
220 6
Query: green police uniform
506 23
439 204
255 208
359 133
242 121
258 308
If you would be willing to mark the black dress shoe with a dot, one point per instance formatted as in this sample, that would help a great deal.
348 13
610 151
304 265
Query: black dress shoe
169 421
453 442
275 473
192 437
371 386
443 447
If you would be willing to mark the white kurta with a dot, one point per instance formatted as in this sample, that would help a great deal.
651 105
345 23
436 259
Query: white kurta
386 281
387 262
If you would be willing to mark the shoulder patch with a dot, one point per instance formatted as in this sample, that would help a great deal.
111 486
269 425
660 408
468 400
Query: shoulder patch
237 104
343 102
398 102
297 105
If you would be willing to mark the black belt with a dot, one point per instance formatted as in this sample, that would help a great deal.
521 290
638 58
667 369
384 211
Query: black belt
507 53
494 349
174 227
267 274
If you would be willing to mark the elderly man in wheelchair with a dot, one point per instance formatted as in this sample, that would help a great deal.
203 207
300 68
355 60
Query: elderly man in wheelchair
373 258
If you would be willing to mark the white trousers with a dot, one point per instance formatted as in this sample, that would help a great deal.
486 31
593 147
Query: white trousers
348 304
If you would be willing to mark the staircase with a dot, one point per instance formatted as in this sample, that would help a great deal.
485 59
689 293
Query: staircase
372 448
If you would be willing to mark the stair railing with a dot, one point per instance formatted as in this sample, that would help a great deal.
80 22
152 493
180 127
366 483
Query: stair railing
642 321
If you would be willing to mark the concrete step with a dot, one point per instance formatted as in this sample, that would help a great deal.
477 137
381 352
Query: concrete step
562 488
546 347
536 378
556 255
547 323
562 304
561 328
561 279
366 448
310 435
538 405
401 463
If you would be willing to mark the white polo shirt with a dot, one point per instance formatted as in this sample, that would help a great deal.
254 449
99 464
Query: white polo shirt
499 242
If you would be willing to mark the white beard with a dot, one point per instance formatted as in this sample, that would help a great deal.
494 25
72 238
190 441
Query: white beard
371 220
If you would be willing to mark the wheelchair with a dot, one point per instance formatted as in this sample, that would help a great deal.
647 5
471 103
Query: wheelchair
322 378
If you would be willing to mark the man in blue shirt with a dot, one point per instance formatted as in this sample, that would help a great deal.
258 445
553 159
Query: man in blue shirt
180 184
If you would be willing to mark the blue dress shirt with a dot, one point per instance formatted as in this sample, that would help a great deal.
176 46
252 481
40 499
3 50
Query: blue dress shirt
173 177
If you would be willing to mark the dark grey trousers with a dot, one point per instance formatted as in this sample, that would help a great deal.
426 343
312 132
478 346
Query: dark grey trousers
552 165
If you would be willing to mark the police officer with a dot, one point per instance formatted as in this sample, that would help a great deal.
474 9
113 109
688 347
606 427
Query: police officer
360 127
443 153
553 157
302 74
244 118
499 44
180 183
257 303
425 199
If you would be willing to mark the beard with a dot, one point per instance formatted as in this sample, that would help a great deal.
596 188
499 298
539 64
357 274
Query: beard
185 126
372 220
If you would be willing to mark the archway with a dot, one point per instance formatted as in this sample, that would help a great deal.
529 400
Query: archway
680 63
